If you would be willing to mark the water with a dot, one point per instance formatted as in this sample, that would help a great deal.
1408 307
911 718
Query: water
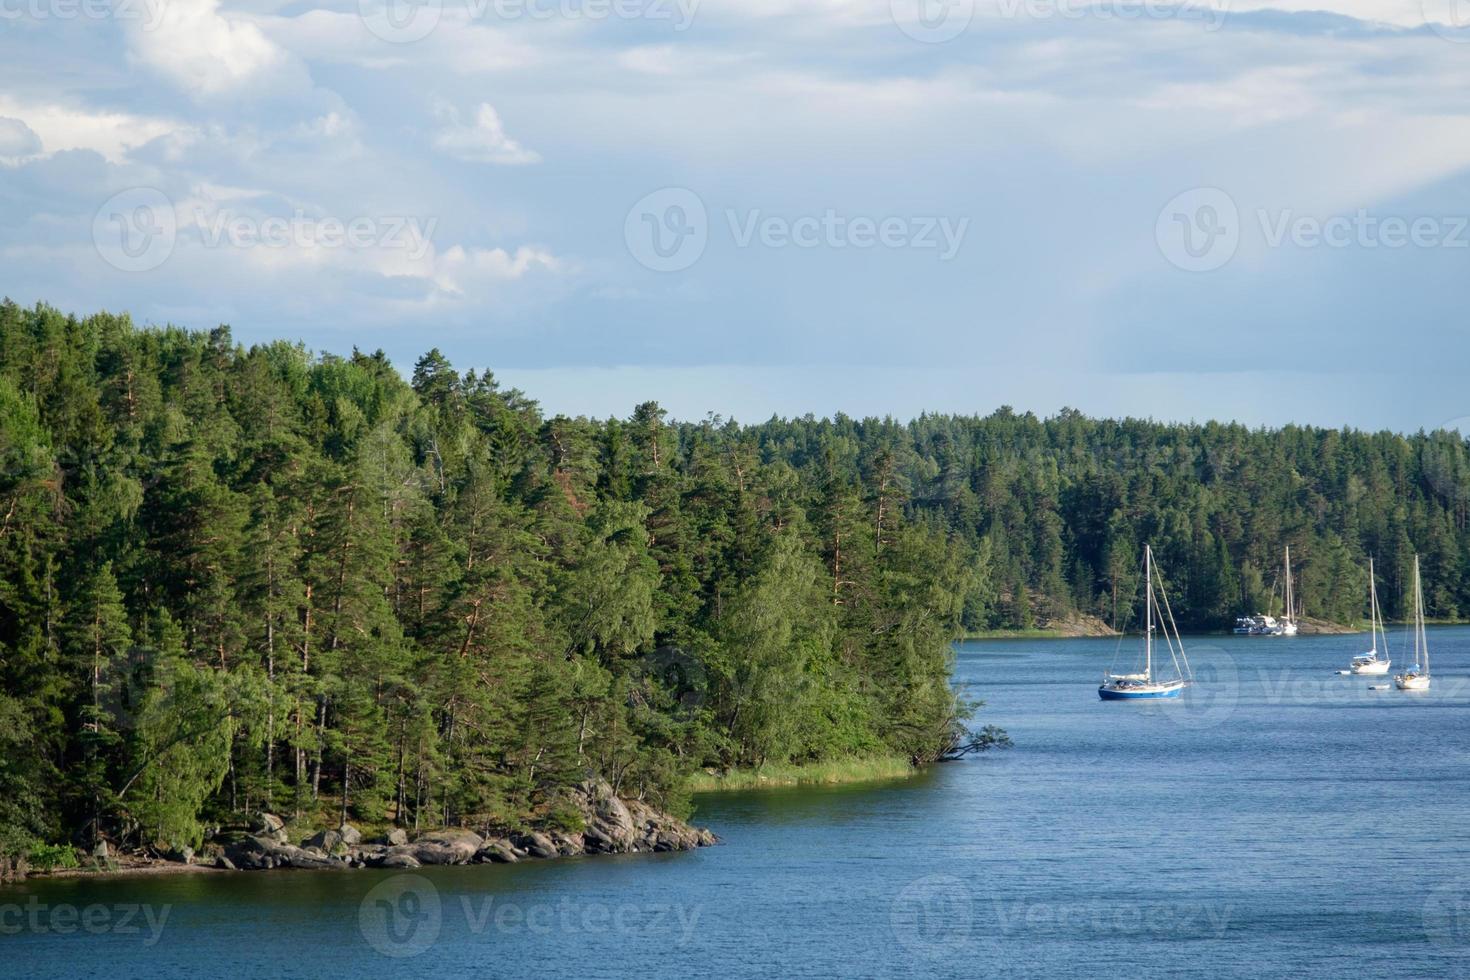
1279 821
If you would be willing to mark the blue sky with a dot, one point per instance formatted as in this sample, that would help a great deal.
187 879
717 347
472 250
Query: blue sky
1247 209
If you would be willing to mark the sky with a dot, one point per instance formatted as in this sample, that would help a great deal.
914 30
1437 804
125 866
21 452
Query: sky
1237 209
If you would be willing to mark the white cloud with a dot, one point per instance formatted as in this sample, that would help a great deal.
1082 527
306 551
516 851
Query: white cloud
202 50
483 141
17 140
110 134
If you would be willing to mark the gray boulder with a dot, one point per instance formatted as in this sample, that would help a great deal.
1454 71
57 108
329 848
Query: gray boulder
398 859
498 851
450 846
323 840
536 844
270 826
350 835
255 853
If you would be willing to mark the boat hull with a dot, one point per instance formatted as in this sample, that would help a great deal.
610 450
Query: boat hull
1152 694
1381 667
1411 683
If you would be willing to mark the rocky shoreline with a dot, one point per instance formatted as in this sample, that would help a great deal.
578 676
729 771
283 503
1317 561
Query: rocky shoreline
611 825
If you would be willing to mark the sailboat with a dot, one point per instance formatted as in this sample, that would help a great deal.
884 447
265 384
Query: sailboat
1416 678
1145 685
1288 621
1370 662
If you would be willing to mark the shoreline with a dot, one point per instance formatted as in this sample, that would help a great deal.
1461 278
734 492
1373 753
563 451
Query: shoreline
835 772
610 825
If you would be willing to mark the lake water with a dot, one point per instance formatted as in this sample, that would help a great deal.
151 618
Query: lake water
1279 820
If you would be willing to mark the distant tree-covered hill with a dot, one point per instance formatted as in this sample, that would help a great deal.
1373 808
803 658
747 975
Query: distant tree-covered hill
234 579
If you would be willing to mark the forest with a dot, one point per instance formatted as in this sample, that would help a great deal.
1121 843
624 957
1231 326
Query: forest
234 579
239 580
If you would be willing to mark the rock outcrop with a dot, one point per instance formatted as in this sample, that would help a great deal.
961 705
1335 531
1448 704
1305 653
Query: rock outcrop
610 826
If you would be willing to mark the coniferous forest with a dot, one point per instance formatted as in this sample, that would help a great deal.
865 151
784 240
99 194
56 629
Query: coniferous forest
234 579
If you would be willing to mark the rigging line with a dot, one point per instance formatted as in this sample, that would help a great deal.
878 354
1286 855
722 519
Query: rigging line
1122 635
1187 672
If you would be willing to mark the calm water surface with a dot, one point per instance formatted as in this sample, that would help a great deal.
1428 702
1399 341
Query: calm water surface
1280 820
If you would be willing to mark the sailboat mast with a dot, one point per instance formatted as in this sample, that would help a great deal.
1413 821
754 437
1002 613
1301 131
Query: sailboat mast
1148 604
1373 605
1421 642
1290 607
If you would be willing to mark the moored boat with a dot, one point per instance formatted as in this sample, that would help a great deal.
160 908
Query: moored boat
1144 685
1371 662
1416 678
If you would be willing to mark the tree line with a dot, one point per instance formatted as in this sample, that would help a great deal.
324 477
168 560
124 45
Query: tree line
234 579
241 579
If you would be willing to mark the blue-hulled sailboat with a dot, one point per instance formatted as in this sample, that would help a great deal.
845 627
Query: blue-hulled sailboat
1146 685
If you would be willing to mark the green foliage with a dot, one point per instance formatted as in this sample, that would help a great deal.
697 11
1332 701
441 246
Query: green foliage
234 580
50 857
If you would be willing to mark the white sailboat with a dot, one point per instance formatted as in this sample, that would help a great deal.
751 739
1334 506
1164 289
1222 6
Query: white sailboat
1371 662
1287 626
1416 678
1145 685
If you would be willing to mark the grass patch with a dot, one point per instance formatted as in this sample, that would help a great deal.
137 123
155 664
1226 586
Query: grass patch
1031 634
799 774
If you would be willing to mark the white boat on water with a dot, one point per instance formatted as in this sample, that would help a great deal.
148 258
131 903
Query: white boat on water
1371 662
1288 623
1416 678
1145 684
